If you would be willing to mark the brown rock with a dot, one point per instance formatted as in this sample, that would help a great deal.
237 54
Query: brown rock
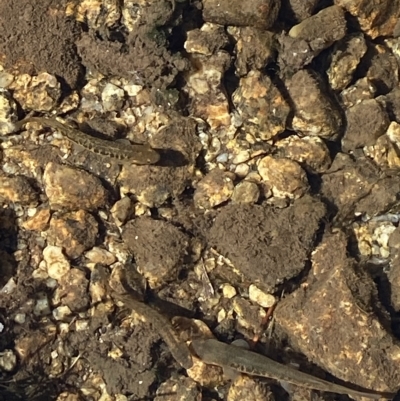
215 188
345 58
261 105
246 192
39 221
392 103
73 189
207 40
257 13
356 187
322 29
18 190
298 10
376 18
338 301
158 247
284 177
366 121
73 291
362 89
205 85
255 48
307 39
75 232
383 69
310 152
315 113
266 245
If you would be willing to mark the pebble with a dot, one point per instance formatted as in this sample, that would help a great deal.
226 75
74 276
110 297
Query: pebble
42 305
8 360
246 192
215 188
17 190
56 262
75 232
100 255
70 188
258 13
228 291
260 297
285 177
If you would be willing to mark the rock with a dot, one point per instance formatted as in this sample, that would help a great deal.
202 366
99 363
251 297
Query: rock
339 300
257 13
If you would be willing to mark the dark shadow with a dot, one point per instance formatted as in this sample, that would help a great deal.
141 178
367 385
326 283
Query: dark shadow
171 158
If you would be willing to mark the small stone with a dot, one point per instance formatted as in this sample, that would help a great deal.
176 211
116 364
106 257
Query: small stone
241 157
221 316
383 69
362 89
56 262
17 190
8 360
5 79
207 40
61 313
242 170
75 232
20 318
160 259
82 325
39 221
40 93
346 56
99 255
366 122
255 48
112 97
314 111
228 291
42 305
70 188
392 102
246 192
215 188
10 286
122 210
310 151
261 105
72 291
328 26
256 13
285 177
260 297
205 86
378 21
